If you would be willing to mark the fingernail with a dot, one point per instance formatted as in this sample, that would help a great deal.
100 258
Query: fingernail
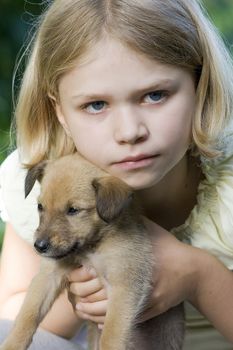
100 326
92 272
79 306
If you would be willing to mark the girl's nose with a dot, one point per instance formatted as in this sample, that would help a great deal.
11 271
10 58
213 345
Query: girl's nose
130 128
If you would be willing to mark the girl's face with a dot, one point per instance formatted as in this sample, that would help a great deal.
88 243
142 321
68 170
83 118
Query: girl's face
128 114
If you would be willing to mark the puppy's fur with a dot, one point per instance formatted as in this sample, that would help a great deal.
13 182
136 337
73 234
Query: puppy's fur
88 217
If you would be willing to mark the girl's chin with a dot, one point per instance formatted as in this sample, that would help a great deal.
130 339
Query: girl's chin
140 183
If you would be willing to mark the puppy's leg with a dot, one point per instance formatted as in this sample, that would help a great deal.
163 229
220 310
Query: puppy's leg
164 332
93 336
44 289
119 319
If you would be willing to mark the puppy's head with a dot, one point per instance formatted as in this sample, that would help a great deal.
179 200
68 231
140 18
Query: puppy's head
76 201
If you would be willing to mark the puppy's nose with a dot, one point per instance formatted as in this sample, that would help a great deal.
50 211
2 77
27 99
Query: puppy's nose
42 245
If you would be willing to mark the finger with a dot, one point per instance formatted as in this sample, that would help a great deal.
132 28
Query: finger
153 311
84 289
145 316
98 296
93 309
97 319
82 274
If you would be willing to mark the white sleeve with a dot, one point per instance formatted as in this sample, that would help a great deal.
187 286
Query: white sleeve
20 212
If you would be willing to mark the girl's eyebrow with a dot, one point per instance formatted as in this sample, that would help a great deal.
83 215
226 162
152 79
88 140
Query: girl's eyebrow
89 96
161 84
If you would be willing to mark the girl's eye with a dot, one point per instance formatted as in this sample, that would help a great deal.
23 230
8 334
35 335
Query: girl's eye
95 107
155 97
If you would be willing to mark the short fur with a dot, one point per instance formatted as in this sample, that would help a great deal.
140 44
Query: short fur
88 217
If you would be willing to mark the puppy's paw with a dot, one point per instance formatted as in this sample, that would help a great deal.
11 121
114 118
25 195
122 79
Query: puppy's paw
6 346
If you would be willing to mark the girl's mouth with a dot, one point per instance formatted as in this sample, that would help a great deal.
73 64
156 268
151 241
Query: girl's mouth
140 161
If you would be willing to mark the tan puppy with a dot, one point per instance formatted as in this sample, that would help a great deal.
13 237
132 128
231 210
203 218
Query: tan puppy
88 217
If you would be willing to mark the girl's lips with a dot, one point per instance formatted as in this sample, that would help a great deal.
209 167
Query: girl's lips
135 162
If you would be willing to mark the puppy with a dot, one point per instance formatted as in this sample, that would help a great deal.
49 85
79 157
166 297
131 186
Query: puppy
90 218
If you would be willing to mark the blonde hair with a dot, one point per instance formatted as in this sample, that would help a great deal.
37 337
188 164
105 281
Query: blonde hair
172 32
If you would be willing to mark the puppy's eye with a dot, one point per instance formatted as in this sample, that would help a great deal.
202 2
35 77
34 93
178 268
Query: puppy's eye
72 211
40 207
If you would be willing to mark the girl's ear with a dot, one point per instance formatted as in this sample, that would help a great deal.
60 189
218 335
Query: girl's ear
60 115
112 197
33 174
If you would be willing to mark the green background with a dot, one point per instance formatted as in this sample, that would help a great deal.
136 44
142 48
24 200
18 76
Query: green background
17 18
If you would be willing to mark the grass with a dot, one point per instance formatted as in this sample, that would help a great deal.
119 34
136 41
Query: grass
2 226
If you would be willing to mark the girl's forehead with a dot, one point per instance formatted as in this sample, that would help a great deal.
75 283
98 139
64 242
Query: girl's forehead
110 58
113 49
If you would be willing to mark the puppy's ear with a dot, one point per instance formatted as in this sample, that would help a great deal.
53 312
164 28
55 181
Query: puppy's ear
33 174
112 196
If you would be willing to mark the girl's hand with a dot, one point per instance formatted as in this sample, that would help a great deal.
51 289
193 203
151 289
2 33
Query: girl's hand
183 272
90 295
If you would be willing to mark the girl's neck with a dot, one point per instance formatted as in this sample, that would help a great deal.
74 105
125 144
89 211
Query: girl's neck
170 202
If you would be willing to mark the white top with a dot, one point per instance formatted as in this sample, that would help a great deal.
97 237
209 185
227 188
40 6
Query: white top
20 212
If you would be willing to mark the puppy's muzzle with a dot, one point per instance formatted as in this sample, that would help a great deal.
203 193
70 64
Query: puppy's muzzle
45 247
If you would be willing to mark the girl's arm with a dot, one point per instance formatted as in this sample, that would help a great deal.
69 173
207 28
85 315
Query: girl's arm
182 272
19 264
192 274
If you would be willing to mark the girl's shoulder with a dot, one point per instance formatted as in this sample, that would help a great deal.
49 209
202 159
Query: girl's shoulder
20 212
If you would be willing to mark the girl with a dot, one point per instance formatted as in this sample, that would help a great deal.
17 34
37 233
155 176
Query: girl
144 90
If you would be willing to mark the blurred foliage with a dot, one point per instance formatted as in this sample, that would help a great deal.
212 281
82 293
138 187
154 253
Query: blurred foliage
1 233
221 13
16 23
16 19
